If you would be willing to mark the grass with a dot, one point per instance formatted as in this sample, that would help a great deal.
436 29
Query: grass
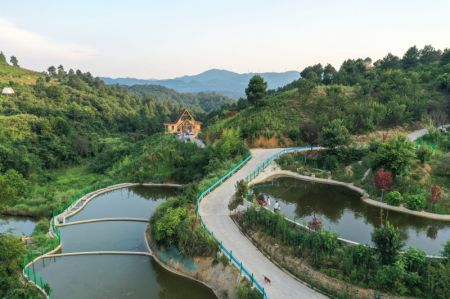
16 74
58 187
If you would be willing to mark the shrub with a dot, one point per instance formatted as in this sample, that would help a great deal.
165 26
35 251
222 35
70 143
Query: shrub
436 194
424 153
415 202
388 243
396 154
446 251
415 260
394 198
244 291
330 162
390 278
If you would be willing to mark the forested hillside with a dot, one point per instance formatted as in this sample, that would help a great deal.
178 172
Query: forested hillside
58 123
201 103
393 91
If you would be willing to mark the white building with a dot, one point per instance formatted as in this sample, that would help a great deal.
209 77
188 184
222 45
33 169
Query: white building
7 91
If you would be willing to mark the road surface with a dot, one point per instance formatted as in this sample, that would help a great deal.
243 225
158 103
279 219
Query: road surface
215 214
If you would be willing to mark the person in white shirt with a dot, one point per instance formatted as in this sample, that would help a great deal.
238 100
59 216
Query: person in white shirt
276 207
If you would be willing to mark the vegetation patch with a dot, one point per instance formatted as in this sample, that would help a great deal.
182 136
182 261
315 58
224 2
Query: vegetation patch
382 268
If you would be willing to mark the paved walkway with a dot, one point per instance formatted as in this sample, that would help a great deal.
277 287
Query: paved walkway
215 214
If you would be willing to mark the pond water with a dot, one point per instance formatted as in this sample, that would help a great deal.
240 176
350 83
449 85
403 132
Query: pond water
17 226
101 236
115 276
133 202
341 210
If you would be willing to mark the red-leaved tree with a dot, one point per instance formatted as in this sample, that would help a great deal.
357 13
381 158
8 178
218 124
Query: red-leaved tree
383 180
435 194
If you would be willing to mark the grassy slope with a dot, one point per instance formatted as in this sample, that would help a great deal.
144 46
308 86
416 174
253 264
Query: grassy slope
280 116
17 75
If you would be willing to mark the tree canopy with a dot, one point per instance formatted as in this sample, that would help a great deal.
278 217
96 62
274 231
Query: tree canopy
256 90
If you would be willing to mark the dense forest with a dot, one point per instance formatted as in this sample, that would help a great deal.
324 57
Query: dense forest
201 103
365 96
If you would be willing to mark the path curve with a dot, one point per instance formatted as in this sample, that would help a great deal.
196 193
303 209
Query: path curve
215 214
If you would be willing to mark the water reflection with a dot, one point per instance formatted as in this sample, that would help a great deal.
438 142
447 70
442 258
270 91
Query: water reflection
341 209
17 226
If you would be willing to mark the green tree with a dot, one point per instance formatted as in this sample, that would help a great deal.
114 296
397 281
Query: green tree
389 61
429 54
309 133
14 61
446 250
329 75
2 58
334 134
256 90
395 154
313 73
424 153
51 71
445 58
12 187
388 243
411 58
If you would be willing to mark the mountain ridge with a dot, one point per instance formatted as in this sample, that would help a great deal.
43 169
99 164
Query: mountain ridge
225 82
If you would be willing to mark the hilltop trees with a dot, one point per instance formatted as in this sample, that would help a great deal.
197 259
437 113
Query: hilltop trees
256 90
2 58
14 61
411 58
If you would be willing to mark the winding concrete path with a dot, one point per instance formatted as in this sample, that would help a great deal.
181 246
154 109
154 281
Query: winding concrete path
215 214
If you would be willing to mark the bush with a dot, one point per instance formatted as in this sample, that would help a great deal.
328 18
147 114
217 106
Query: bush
415 260
330 162
244 291
415 202
424 153
394 198
396 154
446 251
388 243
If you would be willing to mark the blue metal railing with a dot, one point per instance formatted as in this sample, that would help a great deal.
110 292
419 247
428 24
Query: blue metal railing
225 250
266 163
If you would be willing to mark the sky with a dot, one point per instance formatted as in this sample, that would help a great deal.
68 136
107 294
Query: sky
169 38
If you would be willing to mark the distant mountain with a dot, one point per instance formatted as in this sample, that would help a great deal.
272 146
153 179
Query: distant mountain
221 81
203 102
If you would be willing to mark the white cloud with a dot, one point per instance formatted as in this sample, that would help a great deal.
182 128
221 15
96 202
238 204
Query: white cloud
38 50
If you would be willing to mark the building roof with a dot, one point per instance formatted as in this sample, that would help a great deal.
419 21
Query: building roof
183 112
7 91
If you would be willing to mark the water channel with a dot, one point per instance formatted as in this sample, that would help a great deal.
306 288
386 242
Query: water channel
341 210
115 276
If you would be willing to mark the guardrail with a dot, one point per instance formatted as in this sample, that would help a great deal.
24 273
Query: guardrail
266 163
55 233
225 250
